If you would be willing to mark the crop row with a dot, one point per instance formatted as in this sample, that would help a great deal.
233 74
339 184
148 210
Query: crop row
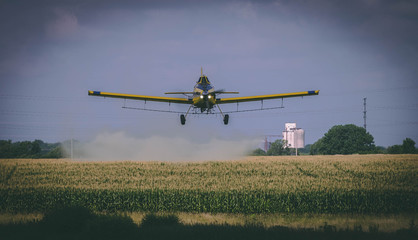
279 174
41 200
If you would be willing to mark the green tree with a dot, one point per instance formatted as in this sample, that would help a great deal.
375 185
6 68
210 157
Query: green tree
28 149
278 148
6 148
395 149
35 150
317 147
380 149
54 153
305 150
22 149
258 152
408 146
344 139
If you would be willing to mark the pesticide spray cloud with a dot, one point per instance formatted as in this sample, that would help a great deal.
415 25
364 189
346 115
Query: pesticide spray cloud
111 146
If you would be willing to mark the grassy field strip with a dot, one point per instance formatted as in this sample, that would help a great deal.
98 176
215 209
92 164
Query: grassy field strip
383 223
16 218
388 223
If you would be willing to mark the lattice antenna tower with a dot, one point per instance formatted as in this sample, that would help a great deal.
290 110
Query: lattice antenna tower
364 113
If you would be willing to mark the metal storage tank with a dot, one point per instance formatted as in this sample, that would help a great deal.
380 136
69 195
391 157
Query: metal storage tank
299 138
295 137
288 137
289 126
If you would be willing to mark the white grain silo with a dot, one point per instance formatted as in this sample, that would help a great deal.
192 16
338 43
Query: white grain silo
299 138
294 137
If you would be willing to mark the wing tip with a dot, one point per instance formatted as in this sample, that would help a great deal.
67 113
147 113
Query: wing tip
94 93
313 92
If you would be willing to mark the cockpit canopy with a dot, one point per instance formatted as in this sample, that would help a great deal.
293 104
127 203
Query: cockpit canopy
203 80
203 84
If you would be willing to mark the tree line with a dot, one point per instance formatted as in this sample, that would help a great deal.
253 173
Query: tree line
30 149
341 139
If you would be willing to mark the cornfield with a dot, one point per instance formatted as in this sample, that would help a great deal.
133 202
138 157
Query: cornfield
304 184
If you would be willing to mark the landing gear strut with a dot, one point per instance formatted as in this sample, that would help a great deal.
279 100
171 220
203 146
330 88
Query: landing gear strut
226 116
183 117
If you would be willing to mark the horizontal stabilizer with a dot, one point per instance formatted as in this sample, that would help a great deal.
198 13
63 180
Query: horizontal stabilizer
179 93
223 92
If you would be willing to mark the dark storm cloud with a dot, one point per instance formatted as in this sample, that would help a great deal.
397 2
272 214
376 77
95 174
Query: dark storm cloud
347 49
388 26
26 26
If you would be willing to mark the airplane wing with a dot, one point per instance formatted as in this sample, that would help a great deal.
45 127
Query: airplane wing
141 97
264 97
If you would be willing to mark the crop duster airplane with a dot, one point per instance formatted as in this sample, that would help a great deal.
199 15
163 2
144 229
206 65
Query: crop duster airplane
204 98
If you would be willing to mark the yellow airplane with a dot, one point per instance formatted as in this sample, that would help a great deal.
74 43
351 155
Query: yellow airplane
203 97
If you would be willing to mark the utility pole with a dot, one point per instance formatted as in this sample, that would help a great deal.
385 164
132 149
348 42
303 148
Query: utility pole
266 144
364 113
71 148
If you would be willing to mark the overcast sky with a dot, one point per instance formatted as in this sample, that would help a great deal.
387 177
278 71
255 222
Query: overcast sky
52 52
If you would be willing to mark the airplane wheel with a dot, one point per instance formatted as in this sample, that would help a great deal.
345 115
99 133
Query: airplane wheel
226 119
182 119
